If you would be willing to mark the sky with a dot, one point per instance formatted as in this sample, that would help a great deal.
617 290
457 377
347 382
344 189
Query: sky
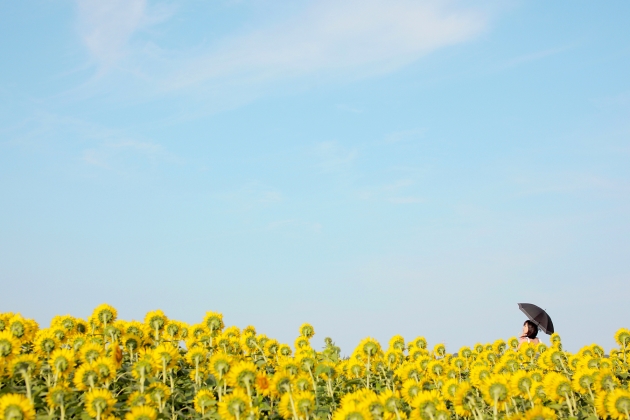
372 167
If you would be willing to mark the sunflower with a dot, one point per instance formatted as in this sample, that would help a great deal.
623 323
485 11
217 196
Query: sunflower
495 389
203 400
540 412
16 406
137 399
622 337
303 382
618 404
307 330
99 402
57 396
583 380
159 393
409 371
302 402
142 412
243 375
280 383
86 377
156 320
449 389
106 368
62 361
478 374
165 356
213 321
410 390
45 342
219 365
426 405
89 352
601 404
9 345
439 350
522 383
605 380
397 342
352 411
464 400
557 386
234 406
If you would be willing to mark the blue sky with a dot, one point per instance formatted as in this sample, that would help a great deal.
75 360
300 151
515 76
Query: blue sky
371 167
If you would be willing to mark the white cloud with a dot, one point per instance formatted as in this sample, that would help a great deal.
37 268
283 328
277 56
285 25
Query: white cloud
350 36
105 27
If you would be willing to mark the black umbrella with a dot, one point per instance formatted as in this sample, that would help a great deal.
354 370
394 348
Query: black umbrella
538 316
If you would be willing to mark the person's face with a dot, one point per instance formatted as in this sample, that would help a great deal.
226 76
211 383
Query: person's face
525 329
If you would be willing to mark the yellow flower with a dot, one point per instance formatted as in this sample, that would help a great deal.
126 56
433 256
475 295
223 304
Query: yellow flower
9 345
203 400
280 383
307 330
62 361
449 389
105 367
397 342
522 384
622 337
583 380
464 400
137 399
24 364
213 321
89 352
605 380
16 406
601 403
426 405
410 390
243 375
165 356
219 365
155 320
99 402
302 402
105 314
57 396
352 411
495 389
234 406
618 404
539 412
368 347
86 376
439 350
142 412
478 374
45 342
557 386
159 393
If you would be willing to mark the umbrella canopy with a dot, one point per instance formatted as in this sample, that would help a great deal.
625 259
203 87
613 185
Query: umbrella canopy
538 316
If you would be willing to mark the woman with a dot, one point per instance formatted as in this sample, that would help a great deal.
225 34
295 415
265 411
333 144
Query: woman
529 333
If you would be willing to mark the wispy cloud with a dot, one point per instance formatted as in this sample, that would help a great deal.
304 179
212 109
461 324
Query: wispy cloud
108 155
535 56
404 135
351 36
334 157
106 27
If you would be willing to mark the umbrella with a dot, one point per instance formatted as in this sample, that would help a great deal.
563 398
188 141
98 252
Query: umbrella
538 316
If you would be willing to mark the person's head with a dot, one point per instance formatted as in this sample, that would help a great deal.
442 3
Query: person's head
530 330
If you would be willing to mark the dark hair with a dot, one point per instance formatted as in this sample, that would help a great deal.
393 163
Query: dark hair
532 329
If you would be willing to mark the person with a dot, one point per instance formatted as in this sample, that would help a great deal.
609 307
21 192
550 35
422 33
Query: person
529 333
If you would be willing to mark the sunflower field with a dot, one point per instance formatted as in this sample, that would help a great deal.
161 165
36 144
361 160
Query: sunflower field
106 368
